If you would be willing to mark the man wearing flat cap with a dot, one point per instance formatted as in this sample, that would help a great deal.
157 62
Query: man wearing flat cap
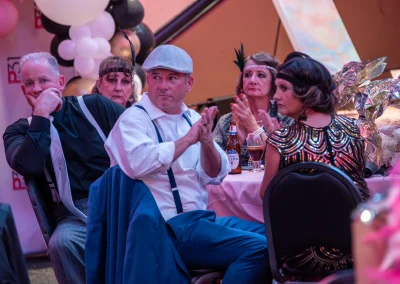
171 149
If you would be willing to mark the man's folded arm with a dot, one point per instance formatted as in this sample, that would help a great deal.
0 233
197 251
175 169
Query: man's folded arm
27 147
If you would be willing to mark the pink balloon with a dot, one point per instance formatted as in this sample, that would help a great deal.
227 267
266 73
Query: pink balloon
8 17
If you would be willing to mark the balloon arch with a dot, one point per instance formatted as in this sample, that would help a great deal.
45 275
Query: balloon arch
87 31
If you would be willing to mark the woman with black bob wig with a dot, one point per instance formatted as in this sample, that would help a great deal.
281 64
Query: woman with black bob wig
305 93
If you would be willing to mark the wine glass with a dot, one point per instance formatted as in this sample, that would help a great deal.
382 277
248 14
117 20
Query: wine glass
255 147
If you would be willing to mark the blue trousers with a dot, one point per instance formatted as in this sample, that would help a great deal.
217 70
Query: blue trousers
128 240
67 248
225 243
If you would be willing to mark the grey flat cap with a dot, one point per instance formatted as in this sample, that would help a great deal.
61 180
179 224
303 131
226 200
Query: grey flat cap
169 57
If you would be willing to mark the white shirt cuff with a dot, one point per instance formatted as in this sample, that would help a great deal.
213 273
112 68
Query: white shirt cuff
166 152
225 169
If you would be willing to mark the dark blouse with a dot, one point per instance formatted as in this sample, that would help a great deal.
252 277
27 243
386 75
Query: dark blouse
339 144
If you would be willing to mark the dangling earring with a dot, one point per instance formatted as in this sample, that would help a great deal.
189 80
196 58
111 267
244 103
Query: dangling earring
131 100
303 116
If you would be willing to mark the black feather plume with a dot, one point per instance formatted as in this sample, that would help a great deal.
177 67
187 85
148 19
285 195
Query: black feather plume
131 46
240 57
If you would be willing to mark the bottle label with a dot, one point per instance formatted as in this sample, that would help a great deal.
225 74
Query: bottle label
232 130
233 157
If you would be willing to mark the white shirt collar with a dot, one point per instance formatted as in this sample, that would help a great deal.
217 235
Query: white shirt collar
154 112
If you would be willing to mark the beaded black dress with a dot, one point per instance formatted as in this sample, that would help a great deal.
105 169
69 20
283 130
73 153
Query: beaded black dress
339 144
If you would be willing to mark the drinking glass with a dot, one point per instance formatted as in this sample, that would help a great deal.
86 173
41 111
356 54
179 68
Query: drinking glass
255 147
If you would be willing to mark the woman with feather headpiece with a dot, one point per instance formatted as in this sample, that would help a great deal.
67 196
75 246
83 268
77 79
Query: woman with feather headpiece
117 78
254 91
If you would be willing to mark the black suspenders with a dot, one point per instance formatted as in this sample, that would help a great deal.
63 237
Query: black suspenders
171 177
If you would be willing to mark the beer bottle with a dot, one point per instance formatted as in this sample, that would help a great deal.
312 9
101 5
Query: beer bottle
233 150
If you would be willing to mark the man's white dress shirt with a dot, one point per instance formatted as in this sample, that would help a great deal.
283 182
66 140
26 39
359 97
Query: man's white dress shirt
133 145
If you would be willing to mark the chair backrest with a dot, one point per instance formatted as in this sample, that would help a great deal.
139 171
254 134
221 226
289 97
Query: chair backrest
308 204
42 207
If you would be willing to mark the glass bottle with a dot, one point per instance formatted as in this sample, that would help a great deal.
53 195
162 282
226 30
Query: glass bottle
233 150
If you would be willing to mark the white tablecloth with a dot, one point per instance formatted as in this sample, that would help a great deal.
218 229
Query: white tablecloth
239 195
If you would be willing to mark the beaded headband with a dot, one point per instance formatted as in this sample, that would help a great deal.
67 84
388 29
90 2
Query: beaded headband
272 69
240 62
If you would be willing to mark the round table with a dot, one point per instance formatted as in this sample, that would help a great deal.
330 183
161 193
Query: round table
239 195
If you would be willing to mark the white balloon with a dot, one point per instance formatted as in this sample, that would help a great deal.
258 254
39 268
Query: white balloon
78 32
95 72
86 48
137 89
103 26
66 49
103 48
97 63
72 12
84 66
91 75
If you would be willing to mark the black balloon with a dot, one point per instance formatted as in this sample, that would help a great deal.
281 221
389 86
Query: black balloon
53 27
128 14
147 41
113 2
78 86
141 74
73 79
55 42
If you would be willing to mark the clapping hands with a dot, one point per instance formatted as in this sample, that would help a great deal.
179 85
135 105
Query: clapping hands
270 123
201 131
242 113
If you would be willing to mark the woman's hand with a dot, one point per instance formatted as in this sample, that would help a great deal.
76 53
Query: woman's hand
242 110
270 123
241 132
